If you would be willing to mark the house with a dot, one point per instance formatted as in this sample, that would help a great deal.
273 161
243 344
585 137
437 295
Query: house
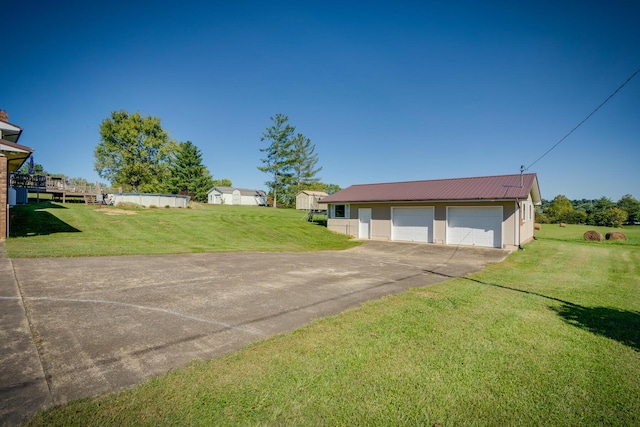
12 156
236 196
492 211
308 200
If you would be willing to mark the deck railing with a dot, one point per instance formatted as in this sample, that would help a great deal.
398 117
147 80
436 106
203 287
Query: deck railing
52 184
32 182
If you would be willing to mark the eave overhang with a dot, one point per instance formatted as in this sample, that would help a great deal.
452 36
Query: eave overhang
16 154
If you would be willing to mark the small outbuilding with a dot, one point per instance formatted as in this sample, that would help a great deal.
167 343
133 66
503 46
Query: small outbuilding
309 200
492 211
236 196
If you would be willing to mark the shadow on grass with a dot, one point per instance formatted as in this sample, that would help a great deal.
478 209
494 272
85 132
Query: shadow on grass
620 325
32 220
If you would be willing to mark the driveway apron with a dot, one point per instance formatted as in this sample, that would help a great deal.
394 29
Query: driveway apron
81 327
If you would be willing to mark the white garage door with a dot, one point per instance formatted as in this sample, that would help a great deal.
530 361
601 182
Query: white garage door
412 224
475 226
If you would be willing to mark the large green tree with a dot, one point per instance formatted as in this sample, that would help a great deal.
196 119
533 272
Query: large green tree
305 159
560 209
631 206
278 158
134 152
327 188
188 174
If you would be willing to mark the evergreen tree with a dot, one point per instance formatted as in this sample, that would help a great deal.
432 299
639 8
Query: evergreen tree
38 169
188 174
304 163
278 154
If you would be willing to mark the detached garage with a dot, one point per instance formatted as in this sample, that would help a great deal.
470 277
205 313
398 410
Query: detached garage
494 211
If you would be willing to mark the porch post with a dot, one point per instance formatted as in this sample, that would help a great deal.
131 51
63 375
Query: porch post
4 197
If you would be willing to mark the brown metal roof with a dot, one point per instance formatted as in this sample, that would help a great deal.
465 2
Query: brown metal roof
503 187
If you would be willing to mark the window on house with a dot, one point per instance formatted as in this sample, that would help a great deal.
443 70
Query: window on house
530 212
340 211
524 211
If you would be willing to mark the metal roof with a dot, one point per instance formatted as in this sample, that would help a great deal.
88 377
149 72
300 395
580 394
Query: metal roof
502 187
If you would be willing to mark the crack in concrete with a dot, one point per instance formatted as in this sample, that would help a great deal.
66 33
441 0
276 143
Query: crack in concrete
32 331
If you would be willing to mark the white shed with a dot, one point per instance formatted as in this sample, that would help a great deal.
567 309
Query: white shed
236 196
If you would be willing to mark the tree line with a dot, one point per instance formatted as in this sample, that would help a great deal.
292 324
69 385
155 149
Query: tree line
601 212
136 153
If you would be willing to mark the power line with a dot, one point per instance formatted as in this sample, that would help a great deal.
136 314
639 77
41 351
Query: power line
585 119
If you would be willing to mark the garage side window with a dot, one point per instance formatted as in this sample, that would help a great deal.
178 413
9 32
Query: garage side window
339 211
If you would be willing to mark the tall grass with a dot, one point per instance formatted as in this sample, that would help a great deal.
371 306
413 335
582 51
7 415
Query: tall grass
550 336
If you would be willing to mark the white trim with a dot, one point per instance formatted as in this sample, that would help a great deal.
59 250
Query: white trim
9 148
332 211
9 126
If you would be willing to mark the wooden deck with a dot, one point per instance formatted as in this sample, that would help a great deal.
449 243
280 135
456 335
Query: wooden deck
57 187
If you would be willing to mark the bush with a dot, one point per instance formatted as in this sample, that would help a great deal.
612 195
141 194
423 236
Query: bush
542 219
578 217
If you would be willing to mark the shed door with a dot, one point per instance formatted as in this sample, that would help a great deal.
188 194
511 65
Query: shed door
475 226
236 199
410 224
364 223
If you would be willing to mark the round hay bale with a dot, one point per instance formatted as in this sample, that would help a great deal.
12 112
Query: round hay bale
593 236
562 224
616 235
537 226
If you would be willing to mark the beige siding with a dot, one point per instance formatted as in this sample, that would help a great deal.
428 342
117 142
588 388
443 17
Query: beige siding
307 202
528 224
381 221
510 221
344 226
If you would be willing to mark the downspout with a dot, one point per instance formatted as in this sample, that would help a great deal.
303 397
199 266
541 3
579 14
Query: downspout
518 226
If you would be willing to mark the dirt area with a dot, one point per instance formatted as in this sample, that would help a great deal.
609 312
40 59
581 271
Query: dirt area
116 211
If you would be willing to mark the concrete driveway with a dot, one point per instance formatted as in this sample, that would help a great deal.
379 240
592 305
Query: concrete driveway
80 327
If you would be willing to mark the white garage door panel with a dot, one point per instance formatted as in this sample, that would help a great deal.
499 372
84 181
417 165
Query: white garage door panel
475 226
412 224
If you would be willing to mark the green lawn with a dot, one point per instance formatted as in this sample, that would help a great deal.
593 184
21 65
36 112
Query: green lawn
75 229
549 337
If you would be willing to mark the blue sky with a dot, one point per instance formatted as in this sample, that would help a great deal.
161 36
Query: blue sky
387 91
